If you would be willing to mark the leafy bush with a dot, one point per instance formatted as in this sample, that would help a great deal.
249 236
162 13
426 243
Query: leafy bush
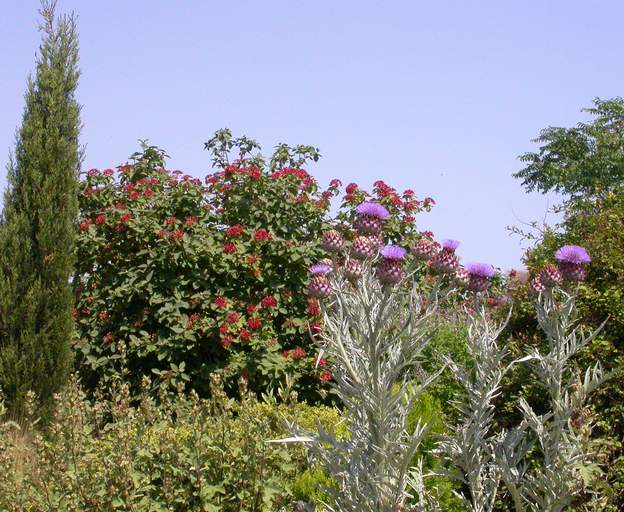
182 454
186 280
183 280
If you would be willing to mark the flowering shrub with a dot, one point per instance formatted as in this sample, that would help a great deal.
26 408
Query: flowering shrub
182 278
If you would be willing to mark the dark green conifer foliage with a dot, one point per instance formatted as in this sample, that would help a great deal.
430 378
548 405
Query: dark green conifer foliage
37 228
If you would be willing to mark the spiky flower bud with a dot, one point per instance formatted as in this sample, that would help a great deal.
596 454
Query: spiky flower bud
424 249
479 276
536 286
390 270
361 248
353 270
462 277
332 241
550 275
446 261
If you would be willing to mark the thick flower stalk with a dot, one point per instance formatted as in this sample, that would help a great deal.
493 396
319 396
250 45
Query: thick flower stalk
374 332
472 447
560 433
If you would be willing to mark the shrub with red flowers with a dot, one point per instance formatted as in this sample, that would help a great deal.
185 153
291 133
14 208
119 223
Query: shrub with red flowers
180 278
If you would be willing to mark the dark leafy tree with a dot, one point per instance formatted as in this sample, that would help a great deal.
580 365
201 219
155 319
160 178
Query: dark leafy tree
37 229
587 159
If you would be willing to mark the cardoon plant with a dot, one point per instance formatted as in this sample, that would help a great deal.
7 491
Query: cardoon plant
376 322
472 447
375 343
561 432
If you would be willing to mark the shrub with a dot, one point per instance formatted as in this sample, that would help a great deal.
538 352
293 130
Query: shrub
183 280
182 454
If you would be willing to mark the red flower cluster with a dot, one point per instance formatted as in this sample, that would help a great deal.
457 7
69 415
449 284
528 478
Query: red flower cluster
244 335
313 308
85 224
287 171
262 234
125 217
229 248
177 234
298 353
254 324
100 219
233 317
220 302
269 302
235 230
325 376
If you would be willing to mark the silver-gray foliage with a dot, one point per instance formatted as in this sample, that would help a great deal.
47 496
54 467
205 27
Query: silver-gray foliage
560 432
374 335
472 447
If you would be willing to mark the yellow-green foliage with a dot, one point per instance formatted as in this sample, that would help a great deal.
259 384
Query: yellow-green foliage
182 454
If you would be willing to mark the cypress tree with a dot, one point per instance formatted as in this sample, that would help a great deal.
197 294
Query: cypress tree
37 227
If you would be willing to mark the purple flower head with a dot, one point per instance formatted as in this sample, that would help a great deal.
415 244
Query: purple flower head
572 254
480 269
392 252
372 209
450 245
320 269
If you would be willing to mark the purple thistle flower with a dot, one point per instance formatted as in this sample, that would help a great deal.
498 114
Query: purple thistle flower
572 254
392 252
479 275
320 269
372 209
480 269
450 245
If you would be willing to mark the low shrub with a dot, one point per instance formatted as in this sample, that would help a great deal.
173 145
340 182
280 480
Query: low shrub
180 454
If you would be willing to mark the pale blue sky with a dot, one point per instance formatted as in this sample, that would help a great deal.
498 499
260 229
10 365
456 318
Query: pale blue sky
440 97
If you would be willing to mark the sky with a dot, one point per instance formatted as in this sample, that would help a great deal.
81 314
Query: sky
440 97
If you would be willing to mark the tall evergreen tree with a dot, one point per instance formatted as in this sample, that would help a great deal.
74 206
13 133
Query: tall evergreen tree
37 228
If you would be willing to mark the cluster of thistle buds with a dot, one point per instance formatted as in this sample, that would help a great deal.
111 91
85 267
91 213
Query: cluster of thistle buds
368 243
441 258
572 261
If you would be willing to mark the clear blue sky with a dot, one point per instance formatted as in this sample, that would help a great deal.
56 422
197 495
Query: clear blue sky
440 97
